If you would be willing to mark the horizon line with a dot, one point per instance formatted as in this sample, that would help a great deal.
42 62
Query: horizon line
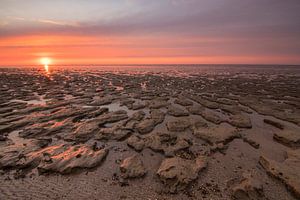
102 65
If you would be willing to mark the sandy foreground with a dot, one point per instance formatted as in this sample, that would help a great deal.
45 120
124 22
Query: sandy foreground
74 134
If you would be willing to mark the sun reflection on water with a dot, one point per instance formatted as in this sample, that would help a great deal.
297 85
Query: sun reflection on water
46 69
46 61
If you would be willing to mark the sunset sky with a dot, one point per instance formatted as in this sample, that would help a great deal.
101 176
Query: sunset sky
150 31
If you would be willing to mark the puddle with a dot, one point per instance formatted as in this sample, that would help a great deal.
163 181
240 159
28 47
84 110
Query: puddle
39 101
68 97
116 106
16 139
32 102
144 85
119 88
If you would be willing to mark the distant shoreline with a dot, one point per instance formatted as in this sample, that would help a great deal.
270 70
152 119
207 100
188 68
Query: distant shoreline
156 65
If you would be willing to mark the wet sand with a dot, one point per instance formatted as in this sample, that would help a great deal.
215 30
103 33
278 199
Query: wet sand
151 133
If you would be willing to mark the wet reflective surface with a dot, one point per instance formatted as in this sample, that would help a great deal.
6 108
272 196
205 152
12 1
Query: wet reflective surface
75 127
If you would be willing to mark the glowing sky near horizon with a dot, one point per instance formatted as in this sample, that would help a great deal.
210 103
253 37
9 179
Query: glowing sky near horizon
149 32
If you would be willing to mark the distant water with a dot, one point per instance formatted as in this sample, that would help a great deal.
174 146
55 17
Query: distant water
185 69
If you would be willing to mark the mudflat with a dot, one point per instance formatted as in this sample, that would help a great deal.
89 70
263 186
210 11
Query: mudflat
150 133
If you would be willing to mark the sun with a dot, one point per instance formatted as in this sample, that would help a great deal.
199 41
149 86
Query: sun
45 61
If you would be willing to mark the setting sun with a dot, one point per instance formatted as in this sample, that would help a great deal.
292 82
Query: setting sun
45 61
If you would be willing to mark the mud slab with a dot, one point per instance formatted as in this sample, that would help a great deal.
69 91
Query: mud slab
153 133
